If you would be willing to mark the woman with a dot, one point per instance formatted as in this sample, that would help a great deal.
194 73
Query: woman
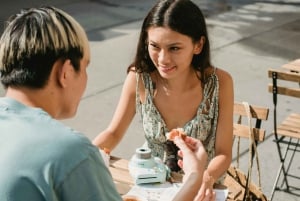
172 84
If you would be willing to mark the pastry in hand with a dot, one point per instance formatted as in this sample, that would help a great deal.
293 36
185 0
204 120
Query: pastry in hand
175 132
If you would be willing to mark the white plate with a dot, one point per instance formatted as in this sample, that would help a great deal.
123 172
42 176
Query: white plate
133 198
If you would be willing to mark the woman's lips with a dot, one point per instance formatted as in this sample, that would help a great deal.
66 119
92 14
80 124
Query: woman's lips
166 69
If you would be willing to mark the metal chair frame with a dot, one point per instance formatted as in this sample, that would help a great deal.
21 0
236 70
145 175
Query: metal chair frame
288 135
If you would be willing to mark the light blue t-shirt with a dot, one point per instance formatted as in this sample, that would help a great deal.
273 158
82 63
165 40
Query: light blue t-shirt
41 159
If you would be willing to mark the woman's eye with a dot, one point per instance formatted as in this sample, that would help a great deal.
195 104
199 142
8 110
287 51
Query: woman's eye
174 48
153 46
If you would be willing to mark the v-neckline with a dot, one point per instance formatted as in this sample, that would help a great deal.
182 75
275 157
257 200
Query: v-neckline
150 96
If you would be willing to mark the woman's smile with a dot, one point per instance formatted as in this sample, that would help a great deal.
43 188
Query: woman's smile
167 69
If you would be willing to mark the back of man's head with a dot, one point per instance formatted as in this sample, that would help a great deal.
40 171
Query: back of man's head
33 40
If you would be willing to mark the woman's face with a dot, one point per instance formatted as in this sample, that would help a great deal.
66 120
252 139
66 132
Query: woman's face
170 51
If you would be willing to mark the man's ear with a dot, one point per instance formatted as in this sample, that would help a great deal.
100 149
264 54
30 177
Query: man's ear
64 70
199 45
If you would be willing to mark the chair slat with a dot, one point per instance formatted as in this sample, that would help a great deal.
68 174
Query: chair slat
293 65
285 75
243 131
287 133
292 122
295 116
257 112
294 92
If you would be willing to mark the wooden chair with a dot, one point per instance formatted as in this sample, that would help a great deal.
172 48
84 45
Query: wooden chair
236 180
286 81
259 113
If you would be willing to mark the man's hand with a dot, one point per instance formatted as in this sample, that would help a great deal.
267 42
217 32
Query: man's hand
194 156
193 163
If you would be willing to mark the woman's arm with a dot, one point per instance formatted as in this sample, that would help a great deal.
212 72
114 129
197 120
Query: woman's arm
224 134
223 145
124 113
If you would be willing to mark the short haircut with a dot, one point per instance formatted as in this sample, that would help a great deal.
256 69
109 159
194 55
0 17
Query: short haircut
34 40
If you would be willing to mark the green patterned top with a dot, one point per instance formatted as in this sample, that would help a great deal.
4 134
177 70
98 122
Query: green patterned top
203 126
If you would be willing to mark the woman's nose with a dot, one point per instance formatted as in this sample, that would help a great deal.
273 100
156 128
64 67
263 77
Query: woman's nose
163 57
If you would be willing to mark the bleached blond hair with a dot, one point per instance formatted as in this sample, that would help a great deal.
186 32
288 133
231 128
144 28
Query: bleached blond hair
33 40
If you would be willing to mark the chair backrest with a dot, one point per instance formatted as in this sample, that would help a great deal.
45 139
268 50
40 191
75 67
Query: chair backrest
236 180
286 81
258 113
289 85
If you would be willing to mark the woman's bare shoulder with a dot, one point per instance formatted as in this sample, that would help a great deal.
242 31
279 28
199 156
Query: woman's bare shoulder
223 75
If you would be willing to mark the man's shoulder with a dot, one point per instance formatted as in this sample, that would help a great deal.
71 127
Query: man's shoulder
70 141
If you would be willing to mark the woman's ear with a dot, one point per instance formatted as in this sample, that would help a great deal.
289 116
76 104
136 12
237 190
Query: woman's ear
199 45
64 70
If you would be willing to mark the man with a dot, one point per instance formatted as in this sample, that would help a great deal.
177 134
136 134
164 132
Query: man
44 54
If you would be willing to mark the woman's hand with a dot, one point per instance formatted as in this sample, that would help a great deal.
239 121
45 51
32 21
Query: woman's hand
206 191
210 197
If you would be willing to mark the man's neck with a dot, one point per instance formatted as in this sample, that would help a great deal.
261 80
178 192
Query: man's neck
38 98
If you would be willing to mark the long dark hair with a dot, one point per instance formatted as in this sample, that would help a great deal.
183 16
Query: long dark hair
182 16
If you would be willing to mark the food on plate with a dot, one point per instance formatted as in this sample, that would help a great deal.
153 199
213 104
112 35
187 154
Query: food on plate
131 198
175 132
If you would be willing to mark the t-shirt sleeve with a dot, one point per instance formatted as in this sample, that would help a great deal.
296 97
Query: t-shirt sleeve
89 181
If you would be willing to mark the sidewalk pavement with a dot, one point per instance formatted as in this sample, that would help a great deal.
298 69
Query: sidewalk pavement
246 40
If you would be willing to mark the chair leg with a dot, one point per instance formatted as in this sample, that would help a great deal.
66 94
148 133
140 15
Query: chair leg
282 169
292 147
293 150
282 162
276 181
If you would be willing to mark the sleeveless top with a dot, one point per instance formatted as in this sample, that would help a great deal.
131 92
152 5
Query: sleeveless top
203 126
